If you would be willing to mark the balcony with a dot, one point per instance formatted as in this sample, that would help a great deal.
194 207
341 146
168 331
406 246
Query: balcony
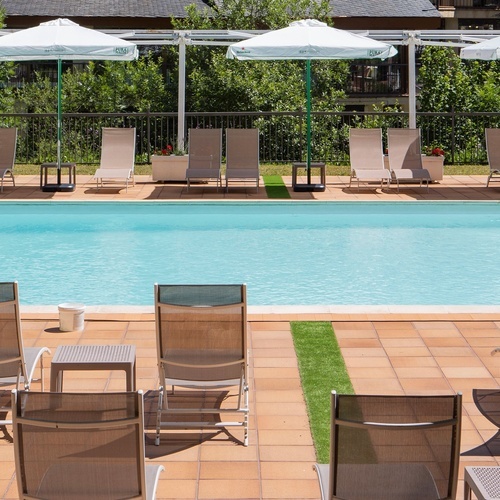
468 4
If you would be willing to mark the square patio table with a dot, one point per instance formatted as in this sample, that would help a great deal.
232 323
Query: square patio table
45 167
308 187
92 357
483 481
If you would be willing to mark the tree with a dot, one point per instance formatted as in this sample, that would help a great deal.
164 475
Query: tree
218 84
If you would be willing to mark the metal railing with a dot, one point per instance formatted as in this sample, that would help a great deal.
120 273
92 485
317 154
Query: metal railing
282 134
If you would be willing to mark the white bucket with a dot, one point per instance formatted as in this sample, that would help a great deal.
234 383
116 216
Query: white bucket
71 317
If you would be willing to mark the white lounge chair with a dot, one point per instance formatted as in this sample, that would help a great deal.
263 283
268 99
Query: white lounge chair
405 156
242 155
367 156
205 155
117 156
493 150
8 141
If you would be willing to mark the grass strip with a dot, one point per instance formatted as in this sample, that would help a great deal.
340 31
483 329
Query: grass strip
322 369
275 187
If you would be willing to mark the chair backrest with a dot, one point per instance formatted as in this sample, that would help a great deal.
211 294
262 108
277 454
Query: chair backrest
365 148
79 446
8 142
205 143
488 403
394 447
242 148
493 147
404 148
11 343
118 148
201 332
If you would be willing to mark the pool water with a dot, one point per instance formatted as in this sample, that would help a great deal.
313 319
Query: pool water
309 253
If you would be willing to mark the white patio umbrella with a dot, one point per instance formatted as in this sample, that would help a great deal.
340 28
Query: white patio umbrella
309 39
489 50
63 40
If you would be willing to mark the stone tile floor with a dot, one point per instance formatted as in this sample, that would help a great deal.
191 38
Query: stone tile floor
383 355
452 187
418 352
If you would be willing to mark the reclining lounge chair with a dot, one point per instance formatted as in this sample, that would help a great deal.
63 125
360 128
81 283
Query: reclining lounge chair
201 333
8 141
392 447
405 156
17 363
367 156
242 155
205 155
117 156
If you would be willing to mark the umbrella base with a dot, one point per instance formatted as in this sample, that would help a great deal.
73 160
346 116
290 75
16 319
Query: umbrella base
317 188
58 188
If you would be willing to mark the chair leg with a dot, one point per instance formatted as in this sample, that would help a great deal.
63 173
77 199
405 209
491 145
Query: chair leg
158 416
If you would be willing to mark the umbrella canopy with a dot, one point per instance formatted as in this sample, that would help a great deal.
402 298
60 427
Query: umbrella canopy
63 40
489 50
308 40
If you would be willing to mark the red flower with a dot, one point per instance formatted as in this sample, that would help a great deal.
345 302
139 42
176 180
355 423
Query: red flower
437 152
166 151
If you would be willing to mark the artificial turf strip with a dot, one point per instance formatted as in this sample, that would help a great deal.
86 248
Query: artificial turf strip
322 369
275 187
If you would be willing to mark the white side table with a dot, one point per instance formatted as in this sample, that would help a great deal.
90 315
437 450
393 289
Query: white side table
483 481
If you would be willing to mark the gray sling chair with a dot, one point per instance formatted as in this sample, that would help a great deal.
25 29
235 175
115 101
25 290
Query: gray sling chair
81 446
242 155
201 333
205 156
8 142
492 136
17 363
367 156
405 156
392 448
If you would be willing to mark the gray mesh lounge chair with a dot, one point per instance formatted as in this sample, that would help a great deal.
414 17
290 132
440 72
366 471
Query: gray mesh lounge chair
81 446
493 149
393 448
367 156
205 155
117 156
201 344
17 363
405 157
242 155
8 141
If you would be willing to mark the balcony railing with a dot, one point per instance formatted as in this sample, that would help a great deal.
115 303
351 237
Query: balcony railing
282 135
468 4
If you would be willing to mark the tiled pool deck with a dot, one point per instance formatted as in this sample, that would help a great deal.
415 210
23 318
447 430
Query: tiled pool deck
387 350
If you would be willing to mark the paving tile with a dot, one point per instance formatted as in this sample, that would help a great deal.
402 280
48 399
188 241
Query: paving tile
225 489
278 462
290 489
229 470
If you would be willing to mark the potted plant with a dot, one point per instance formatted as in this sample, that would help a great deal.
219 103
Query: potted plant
169 164
433 161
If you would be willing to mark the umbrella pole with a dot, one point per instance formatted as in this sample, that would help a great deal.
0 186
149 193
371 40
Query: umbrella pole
59 118
308 118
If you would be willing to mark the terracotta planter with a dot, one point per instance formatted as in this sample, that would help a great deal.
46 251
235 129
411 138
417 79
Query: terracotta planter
169 168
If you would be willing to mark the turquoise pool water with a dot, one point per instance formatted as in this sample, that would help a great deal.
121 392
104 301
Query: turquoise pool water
287 253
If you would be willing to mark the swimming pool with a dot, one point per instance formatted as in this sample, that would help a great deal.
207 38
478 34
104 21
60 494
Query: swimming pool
308 253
